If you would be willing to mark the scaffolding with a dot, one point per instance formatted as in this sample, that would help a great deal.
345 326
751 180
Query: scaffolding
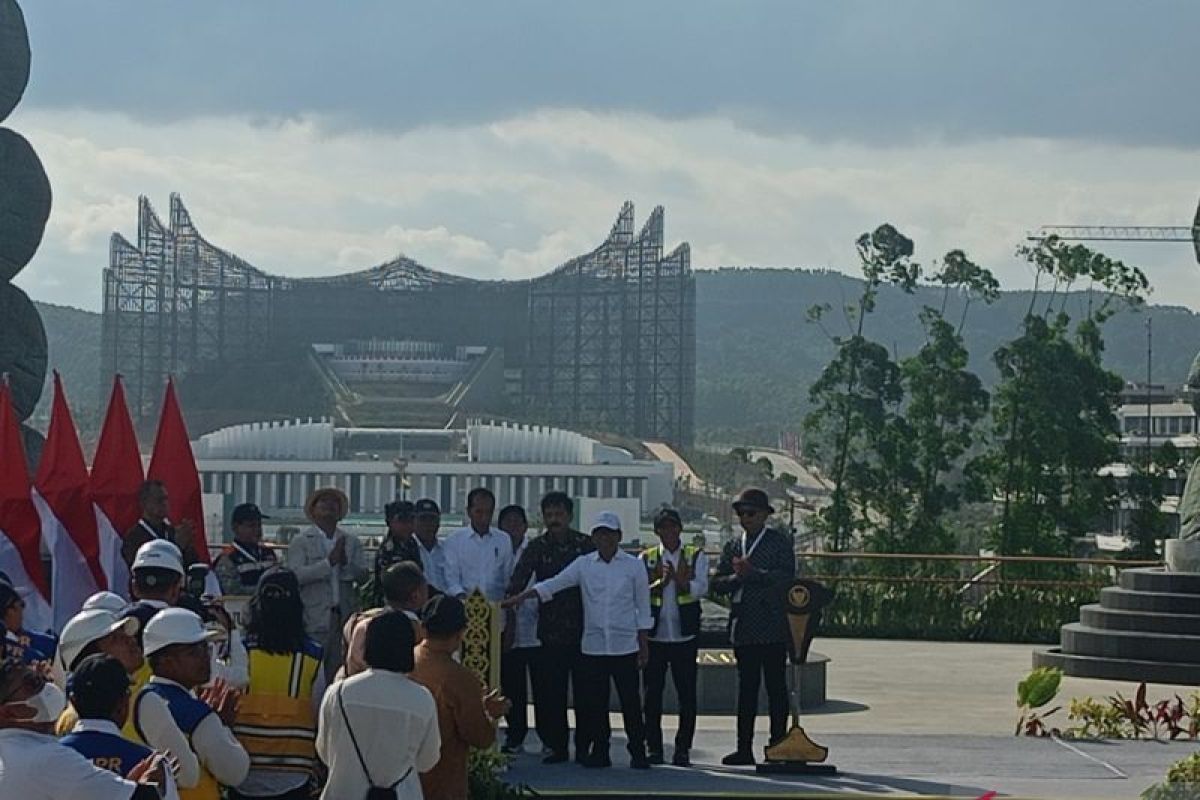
605 343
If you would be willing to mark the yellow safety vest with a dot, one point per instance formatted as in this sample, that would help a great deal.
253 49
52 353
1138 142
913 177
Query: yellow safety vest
653 555
275 721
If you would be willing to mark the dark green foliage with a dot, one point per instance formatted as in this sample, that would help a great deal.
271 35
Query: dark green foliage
756 357
1054 424
73 339
924 611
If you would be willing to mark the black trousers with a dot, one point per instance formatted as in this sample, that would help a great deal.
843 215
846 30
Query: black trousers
596 674
516 666
767 662
555 668
680 658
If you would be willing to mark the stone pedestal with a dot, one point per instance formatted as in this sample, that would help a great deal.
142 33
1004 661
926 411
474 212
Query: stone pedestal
716 685
1147 628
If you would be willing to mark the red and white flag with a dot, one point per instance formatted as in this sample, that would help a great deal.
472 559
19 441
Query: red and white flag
116 477
20 529
174 464
64 502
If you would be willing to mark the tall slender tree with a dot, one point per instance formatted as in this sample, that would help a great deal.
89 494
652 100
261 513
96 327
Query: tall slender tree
1052 413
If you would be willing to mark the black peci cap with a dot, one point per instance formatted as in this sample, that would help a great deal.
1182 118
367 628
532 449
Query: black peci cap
399 509
667 515
444 615
98 674
426 506
247 512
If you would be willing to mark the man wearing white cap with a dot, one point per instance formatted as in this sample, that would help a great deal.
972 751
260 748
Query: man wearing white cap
616 623
109 601
97 631
168 716
158 583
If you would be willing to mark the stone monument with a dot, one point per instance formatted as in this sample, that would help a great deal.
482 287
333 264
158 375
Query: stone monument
1183 554
24 210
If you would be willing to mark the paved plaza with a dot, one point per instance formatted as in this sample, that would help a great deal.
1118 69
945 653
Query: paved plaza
904 719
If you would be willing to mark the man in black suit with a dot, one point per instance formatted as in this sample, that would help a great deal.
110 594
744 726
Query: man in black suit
755 569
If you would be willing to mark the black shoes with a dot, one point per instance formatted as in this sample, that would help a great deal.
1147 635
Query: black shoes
655 757
681 759
555 757
640 761
739 758
597 760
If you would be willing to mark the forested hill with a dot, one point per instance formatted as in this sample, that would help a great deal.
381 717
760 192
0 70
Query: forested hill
757 356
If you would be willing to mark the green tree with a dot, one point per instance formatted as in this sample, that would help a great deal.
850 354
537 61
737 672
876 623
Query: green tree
854 421
946 403
1052 411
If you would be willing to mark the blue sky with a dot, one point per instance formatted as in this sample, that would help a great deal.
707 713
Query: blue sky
497 139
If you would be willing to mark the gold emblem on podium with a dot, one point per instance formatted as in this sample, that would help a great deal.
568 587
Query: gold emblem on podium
796 752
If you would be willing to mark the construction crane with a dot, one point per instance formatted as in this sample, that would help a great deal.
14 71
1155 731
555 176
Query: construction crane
1123 233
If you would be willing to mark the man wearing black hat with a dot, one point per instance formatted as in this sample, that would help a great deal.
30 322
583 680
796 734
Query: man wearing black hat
245 559
755 569
399 544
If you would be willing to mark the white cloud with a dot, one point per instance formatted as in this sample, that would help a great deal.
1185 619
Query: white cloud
516 197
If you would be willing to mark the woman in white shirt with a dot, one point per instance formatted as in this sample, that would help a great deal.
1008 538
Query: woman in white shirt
378 728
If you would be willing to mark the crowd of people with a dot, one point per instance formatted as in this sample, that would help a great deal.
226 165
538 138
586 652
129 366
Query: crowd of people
162 695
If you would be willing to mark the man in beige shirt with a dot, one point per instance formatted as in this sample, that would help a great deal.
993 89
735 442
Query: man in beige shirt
328 562
467 712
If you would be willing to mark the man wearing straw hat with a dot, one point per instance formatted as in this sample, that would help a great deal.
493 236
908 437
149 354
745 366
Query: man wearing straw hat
327 562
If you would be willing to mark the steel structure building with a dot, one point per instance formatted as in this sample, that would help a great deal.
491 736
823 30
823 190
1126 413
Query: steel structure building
605 342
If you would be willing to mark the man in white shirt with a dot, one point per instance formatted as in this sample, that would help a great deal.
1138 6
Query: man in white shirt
478 555
35 766
328 562
678 579
169 716
616 621
521 644
427 521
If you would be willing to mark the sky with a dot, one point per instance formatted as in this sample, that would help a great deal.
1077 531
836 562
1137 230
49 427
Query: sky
497 140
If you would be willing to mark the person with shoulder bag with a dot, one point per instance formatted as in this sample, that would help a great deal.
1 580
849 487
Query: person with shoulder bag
379 727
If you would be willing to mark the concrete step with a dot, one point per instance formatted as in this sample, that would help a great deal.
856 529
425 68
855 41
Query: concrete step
1118 669
1078 639
1160 602
1095 615
1157 579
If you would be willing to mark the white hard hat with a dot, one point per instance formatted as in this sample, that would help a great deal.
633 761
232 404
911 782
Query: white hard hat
160 554
108 601
174 626
606 519
87 627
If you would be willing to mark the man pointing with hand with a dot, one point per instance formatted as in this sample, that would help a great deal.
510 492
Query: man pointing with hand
616 622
